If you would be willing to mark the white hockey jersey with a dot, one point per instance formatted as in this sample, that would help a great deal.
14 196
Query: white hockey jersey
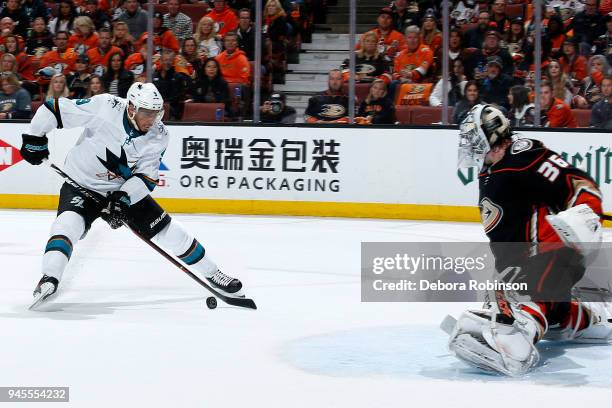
110 155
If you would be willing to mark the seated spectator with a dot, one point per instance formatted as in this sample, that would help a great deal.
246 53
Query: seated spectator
603 43
62 58
246 34
556 35
469 100
24 63
96 87
136 63
275 27
190 55
330 106
601 113
7 28
134 17
590 89
476 65
587 25
40 40
370 64
574 65
99 55
521 112
430 35
455 51
163 38
122 38
412 65
13 10
206 38
494 87
519 48
171 85
78 80
66 13
390 41
474 37
562 86
376 108
455 86
15 102
499 16
179 23
555 112
84 36
57 87
224 16
99 18
117 79
35 9
234 64
210 87
404 16
276 110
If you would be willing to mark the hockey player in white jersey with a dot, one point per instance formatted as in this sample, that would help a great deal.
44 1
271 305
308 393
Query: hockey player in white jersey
118 158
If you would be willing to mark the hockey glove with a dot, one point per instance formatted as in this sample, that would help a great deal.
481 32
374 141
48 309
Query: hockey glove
116 211
34 148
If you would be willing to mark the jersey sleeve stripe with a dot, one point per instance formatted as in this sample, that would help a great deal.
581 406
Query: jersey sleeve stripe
53 106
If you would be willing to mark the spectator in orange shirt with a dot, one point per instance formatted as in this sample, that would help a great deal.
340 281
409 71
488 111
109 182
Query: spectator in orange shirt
84 36
62 58
163 38
234 64
99 55
224 16
412 65
555 112
24 63
7 27
122 38
391 41
574 65
430 35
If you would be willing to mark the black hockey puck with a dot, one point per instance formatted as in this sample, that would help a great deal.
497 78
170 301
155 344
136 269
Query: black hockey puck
211 302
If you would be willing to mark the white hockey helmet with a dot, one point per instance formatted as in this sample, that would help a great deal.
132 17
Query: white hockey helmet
146 96
484 127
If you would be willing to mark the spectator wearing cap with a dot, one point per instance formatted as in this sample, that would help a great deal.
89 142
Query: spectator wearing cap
84 36
587 26
40 39
235 66
99 55
474 37
117 80
573 64
99 17
134 17
163 38
35 9
224 16
476 65
276 110
601 113
404 16
78 80
15 102
179 23
62 58
603 44
412 65
66 13
430 35
20 18
499 17
391 41
495 85
136 63
555 112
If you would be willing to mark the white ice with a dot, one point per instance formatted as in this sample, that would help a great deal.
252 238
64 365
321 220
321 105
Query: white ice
130 330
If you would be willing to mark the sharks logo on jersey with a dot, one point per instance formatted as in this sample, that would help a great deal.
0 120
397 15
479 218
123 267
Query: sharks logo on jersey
117 166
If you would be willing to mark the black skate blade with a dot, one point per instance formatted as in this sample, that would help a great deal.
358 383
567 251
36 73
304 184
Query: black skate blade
241 302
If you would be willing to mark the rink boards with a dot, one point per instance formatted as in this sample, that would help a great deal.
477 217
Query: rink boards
407 173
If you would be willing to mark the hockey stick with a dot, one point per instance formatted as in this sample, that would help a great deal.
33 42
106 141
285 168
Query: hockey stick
233 301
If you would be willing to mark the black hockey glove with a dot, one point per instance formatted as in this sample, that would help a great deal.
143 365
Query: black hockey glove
34 148
116 210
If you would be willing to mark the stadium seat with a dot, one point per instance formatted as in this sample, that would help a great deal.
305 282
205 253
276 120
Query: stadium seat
515 10
361 90
583 117
203 112
36 105
403 114
427 115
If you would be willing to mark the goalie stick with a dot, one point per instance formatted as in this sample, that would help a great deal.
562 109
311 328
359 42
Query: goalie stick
233 301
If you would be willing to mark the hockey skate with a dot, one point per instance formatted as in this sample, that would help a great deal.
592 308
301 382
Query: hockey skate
225 284
47 286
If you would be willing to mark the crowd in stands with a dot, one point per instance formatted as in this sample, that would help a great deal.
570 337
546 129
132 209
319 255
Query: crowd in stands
203 51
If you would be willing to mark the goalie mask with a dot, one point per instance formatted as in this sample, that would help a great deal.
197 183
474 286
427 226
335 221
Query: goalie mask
484 127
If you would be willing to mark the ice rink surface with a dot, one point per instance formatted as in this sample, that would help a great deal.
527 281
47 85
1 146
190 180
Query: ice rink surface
130 330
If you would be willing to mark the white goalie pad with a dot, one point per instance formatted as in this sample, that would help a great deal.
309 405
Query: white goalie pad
480 341
578 227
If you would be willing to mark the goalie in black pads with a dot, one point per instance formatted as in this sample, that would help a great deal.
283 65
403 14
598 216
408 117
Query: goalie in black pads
116 160
531 197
